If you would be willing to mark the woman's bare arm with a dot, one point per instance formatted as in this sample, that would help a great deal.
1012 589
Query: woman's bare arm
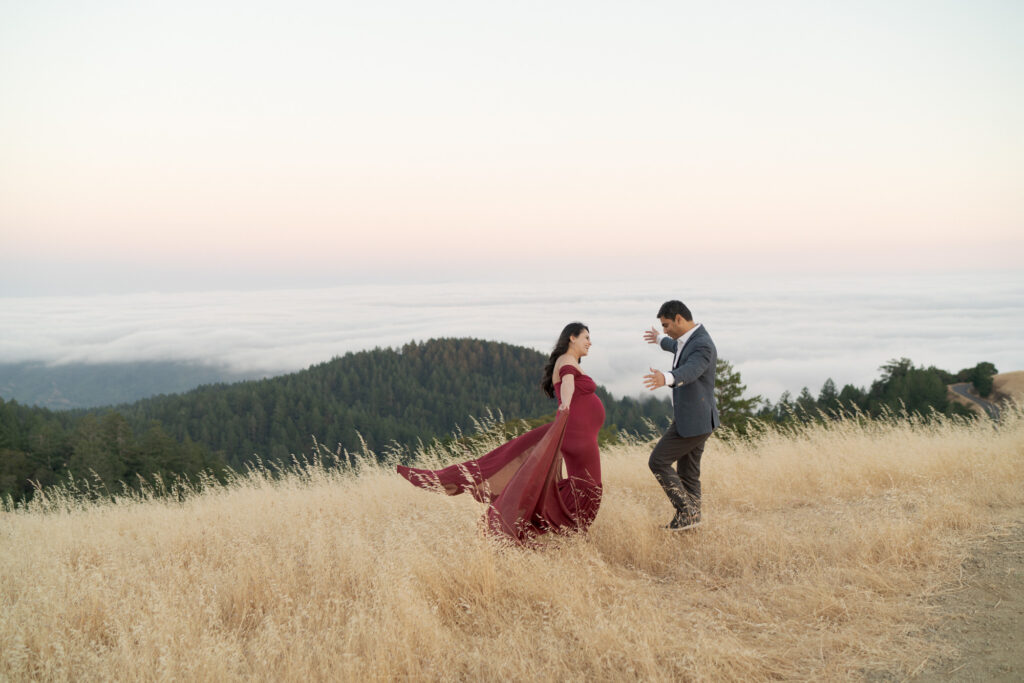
568 387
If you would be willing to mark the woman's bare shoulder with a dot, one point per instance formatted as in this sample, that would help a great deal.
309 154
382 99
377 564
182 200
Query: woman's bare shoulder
562 361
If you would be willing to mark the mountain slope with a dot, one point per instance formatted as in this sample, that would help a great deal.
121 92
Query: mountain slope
420 391
377 397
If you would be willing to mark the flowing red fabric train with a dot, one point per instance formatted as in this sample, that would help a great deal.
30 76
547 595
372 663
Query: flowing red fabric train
522 480
530 502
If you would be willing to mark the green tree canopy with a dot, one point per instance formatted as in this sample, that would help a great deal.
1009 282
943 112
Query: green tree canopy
734 408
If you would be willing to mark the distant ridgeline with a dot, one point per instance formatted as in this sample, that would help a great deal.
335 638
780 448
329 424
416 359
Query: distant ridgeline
422 391
387 396
92 385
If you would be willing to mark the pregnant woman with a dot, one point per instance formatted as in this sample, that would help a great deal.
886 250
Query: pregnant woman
521 481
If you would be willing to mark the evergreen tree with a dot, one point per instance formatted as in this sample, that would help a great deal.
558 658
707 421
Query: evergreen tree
100 449
828 397
852 398
734 410
806 406
784 409
903 386
982 377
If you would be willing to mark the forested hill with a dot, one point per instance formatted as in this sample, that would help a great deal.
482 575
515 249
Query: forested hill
420 391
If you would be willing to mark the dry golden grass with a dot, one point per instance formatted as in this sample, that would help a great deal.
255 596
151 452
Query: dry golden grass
822 550
1009 385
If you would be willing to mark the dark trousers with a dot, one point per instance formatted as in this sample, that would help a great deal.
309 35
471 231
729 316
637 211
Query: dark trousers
682 484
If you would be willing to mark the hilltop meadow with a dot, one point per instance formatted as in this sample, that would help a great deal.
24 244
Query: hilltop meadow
825 550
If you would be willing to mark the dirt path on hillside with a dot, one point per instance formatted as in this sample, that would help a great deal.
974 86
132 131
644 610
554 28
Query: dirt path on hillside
964 390
983 617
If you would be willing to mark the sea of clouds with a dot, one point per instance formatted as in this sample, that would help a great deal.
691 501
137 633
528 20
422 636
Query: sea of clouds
782 333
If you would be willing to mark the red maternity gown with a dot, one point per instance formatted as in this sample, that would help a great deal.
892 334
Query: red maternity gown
521 480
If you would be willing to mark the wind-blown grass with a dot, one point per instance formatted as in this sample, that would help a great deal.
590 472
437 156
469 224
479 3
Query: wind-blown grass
822 549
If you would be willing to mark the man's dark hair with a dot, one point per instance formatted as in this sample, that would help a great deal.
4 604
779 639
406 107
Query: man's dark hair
670 309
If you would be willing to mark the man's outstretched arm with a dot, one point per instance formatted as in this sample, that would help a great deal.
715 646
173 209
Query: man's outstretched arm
688 371
652 336
695 365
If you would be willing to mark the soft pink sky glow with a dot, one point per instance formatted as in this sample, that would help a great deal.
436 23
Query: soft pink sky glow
332 137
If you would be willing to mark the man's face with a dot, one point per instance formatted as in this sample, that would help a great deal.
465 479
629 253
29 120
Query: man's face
673 328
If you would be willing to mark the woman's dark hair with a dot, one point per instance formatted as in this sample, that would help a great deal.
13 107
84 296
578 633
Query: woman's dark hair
670 309
570 330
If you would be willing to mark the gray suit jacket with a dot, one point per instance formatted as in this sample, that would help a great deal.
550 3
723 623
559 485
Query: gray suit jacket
693 393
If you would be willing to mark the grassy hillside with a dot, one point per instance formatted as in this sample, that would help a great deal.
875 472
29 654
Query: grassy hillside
1008 385
823 550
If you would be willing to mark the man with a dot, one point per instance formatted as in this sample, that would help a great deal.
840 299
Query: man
692 379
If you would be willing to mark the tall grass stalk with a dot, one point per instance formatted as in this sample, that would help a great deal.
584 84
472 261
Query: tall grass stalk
823 548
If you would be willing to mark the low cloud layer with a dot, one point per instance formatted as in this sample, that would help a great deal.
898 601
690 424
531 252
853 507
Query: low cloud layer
782 334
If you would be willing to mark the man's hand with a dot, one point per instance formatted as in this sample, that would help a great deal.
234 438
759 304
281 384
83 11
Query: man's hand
651 335
654 380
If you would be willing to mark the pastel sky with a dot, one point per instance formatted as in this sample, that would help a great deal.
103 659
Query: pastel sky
186 144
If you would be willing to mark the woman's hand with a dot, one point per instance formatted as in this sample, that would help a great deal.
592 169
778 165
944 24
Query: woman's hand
563 406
